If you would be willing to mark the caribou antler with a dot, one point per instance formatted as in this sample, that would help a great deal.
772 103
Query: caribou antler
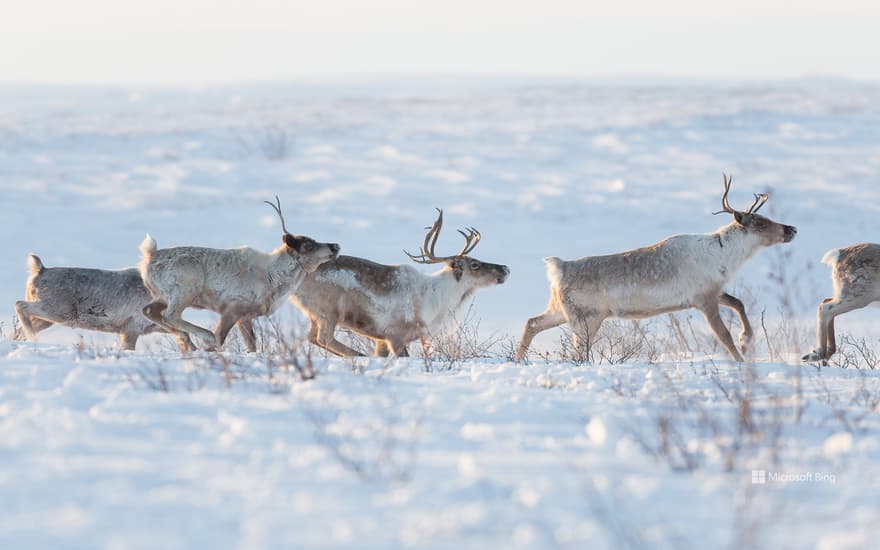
760 199
277 208
724 204
426 253
471 239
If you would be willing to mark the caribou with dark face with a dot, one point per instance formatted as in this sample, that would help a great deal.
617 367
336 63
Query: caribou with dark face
680 272
240 284
392 304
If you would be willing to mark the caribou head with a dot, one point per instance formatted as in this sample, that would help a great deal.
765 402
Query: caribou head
461 265
770 232
305 250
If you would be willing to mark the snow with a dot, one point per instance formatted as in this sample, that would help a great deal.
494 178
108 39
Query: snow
384 455
838 444
596 431
102 448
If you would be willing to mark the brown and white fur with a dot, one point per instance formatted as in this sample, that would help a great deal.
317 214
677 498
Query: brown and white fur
680 272
240 284
93 299
855 274
391 304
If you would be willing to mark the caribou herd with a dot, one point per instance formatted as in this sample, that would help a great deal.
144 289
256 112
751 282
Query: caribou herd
394 305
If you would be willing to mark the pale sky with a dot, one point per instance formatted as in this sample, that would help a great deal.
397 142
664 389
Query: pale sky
193 42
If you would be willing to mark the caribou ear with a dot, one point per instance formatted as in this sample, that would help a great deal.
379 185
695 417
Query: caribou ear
739 217
288 239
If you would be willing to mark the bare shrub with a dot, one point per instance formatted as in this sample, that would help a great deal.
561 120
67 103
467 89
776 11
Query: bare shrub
851 407
686 431
784 334
681 338
221 371
626 523
506 348
276 336
286 351
382 447
855 353
866 395
303 366
788 284
680 334
649 340
152 377
272 142
569 352
620 342
287 362
459 342
15 331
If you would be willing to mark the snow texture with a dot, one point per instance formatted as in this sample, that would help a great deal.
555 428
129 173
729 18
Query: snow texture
493 454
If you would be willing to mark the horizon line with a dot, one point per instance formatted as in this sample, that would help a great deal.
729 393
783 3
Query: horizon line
378 78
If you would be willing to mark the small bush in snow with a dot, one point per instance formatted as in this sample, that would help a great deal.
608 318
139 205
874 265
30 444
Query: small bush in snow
272 142
459 342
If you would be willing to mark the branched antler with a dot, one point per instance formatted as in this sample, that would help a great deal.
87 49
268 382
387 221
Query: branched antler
760 199
471 239
725 206
426 253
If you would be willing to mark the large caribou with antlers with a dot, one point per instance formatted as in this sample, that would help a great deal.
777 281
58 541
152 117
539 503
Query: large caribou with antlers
240 284
392 304
680 272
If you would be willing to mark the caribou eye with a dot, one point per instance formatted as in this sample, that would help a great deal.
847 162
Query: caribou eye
475 266
308 247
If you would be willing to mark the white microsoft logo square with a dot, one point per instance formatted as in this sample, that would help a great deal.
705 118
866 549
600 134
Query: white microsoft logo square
759 476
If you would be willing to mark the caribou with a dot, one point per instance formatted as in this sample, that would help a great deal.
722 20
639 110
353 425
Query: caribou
855 275
680 272
392 304
92 299
240 284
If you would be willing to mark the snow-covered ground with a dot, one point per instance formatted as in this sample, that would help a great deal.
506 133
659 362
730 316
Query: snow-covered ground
379 454
150 449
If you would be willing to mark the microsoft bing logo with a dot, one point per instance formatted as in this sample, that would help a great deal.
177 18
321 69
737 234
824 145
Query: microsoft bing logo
759 476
